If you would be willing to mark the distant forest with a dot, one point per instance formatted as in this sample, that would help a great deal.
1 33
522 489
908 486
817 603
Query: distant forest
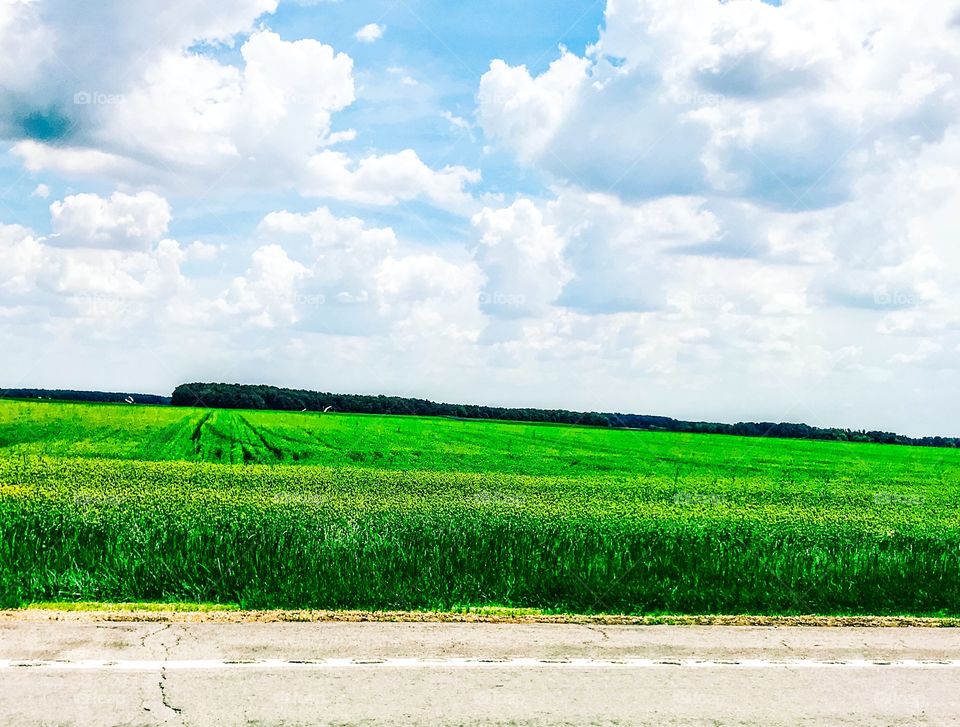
71 395
240 396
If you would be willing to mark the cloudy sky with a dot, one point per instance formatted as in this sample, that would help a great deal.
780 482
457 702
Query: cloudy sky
706 210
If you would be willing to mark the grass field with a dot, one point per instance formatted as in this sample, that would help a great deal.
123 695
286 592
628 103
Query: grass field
269 509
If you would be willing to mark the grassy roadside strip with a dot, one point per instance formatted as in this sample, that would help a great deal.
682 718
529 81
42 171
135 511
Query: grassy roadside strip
231 614
428 541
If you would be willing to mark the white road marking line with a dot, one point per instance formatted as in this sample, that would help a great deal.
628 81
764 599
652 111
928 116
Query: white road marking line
470 663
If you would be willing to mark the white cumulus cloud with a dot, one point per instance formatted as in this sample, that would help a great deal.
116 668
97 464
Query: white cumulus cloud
122 221
370 33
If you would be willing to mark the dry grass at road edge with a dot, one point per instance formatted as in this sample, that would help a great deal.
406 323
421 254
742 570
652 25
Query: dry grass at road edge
180 614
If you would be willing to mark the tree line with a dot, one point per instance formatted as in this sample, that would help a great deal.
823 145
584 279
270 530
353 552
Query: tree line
89 396
242 396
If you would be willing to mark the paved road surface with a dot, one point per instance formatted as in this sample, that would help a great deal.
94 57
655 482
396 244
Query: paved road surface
86 673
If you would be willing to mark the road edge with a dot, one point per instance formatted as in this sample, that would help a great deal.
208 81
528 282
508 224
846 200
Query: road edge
320 616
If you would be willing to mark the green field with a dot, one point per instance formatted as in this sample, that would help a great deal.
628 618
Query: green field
270 509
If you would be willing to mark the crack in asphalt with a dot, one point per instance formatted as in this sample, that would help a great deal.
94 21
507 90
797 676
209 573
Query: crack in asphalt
174 712
602 632
151 634
163 693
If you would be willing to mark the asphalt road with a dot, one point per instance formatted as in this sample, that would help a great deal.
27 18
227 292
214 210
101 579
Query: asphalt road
101 673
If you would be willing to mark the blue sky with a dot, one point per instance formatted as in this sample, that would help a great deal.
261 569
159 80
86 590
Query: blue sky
445 47
739 210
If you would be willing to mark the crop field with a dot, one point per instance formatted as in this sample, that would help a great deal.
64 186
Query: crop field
270 509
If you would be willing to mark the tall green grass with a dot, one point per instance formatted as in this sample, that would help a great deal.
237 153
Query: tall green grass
266 536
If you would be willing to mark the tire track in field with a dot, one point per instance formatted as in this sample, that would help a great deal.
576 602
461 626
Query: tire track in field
198 430
273 449
213 438
196 436
225 436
